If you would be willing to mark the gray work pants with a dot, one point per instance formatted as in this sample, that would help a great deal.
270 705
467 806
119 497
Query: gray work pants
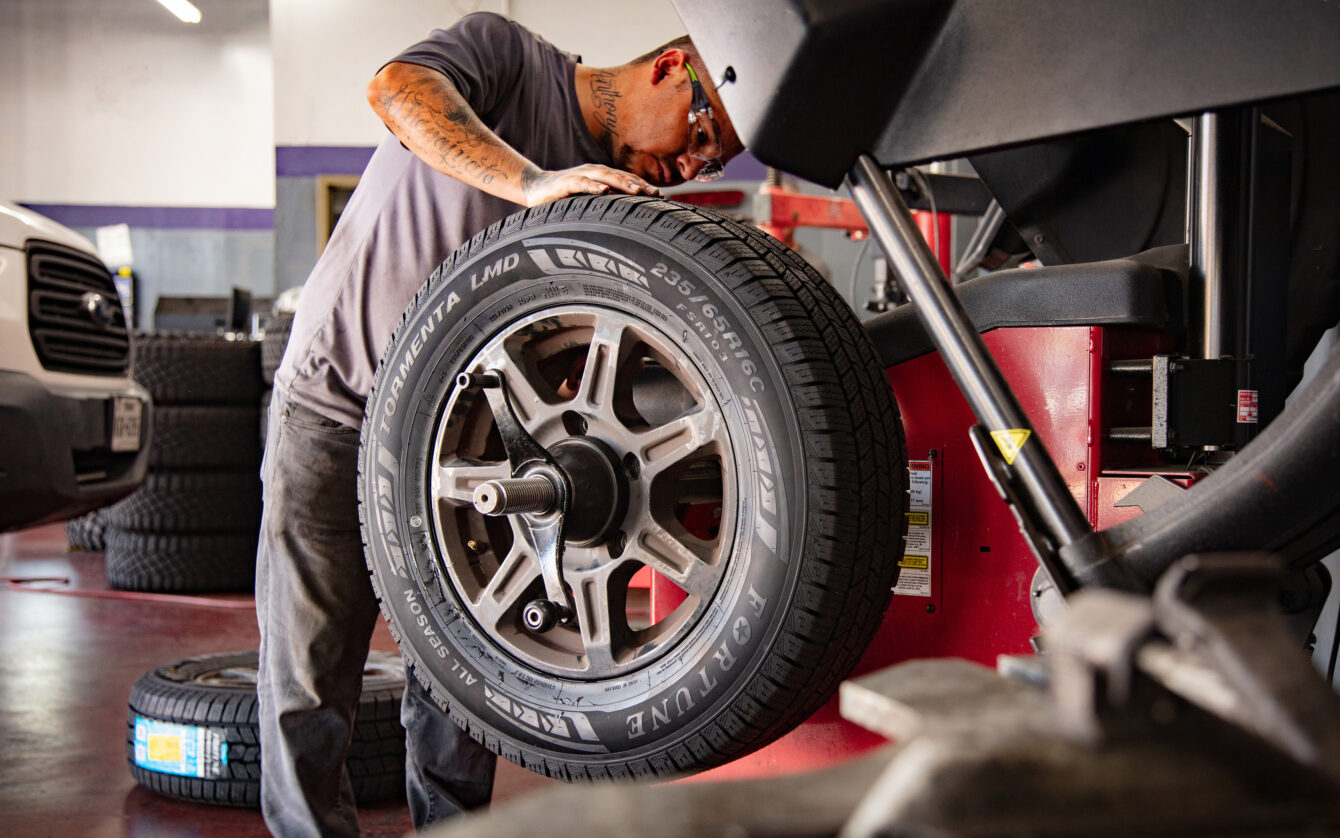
316 611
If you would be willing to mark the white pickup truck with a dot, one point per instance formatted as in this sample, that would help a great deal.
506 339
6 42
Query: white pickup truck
73 423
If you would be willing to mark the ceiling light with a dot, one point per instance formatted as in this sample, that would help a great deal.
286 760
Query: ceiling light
183 9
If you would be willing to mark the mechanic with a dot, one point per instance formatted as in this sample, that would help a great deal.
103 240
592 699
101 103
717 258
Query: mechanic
485 118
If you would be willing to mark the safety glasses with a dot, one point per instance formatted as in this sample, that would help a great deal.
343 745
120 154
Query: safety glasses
704 133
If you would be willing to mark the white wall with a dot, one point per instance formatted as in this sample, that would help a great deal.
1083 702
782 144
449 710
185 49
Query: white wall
116 102
326 51
604 32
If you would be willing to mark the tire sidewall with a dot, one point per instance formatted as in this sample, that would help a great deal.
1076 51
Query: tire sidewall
649 710
383 671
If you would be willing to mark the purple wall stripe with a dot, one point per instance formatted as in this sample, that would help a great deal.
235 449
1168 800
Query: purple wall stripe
161 218
309 161
290 161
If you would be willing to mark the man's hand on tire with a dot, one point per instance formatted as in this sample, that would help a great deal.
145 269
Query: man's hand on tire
541 187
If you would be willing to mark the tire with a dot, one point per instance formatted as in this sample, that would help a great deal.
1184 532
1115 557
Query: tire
198 369
174 563
273 345
791 433
191 502
219 436
88 532
212 700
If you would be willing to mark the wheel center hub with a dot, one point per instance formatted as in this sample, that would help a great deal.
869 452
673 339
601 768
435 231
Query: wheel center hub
600 491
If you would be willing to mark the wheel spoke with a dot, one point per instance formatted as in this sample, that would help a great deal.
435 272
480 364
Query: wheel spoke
683 559
531 407
518 569
671 443
591 596
602 365
456 481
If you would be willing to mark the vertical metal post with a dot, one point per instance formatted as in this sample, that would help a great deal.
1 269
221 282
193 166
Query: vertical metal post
1209 239
1189 232
1239 255
966 355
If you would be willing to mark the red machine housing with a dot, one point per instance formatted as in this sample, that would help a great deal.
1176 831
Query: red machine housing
977 605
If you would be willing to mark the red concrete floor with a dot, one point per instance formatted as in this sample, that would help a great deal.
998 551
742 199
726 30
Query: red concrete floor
69 653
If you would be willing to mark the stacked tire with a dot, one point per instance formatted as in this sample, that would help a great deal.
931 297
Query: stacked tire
88 532
192 731
192 526
277 329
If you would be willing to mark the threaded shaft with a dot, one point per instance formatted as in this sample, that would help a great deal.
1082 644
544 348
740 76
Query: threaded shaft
515 495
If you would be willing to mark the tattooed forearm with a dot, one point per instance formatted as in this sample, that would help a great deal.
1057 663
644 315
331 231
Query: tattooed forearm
431 117
428 114
605 99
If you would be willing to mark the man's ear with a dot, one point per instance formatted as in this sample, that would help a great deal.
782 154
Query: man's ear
667 64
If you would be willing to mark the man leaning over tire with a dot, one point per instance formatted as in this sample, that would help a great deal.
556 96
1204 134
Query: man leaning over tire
485 118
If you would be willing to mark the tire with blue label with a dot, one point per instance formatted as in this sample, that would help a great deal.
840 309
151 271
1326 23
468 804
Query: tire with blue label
714 417
192 731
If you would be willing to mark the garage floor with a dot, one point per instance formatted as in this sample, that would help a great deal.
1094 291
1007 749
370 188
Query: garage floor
69 651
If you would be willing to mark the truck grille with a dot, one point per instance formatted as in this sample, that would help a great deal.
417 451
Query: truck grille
68 336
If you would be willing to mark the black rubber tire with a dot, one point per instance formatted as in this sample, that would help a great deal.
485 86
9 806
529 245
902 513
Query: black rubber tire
227 713
198 369
88 532
273 345
218 436
173 563
822 477
191 502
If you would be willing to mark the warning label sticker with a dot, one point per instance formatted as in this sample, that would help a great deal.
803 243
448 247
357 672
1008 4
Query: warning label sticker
1248 407
914 576
918 536
1010 443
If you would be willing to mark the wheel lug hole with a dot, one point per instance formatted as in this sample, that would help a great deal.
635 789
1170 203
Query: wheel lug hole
616 544
632 466
574 423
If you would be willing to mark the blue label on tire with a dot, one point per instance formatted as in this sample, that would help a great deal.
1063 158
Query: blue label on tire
185 750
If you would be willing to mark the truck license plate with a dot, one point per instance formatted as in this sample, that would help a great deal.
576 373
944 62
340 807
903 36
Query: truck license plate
126 415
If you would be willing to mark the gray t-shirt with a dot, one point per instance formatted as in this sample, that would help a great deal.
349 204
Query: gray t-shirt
405 217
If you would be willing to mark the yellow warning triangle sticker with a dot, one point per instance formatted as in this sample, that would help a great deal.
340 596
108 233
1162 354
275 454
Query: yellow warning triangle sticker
1009 442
